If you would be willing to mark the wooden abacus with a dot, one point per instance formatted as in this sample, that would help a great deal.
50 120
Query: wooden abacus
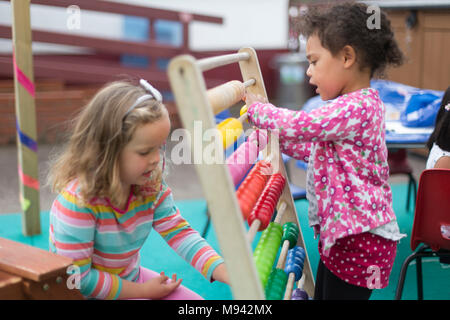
196 103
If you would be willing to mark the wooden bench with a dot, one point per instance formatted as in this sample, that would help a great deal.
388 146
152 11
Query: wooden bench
27 272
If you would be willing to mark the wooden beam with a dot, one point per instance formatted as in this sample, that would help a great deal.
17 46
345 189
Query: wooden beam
87 71
149 48
126 9
25 117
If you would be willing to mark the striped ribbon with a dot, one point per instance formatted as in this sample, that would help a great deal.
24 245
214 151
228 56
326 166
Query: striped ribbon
25 139
27 180
22 78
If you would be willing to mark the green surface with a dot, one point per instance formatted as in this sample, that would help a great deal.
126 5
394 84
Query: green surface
158 256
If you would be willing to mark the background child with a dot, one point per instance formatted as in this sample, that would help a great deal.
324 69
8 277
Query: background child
111 194
439 142
350 200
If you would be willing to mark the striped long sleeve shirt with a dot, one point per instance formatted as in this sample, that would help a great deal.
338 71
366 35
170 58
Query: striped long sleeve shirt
105 242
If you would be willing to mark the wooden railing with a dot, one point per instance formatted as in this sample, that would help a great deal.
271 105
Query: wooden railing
104 63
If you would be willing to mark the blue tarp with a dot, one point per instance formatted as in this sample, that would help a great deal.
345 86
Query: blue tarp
417 107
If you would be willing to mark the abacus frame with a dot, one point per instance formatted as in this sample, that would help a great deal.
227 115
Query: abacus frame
190 92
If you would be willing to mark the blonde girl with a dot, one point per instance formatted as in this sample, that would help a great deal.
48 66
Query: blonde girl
112 193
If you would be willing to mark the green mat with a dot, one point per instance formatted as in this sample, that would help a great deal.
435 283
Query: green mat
158 256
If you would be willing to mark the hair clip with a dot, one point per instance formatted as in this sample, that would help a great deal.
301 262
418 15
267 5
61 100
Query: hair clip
447 107
154 94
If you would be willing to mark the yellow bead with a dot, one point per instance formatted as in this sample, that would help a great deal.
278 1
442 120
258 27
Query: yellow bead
230 129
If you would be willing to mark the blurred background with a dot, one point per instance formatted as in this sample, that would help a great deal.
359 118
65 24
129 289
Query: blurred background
78 46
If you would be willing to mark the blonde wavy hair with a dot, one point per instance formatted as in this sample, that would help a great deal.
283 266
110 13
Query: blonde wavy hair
100 132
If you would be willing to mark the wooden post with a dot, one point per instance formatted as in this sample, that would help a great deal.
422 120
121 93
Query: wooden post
25 117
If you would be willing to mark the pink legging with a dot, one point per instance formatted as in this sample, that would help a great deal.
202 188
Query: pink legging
181 293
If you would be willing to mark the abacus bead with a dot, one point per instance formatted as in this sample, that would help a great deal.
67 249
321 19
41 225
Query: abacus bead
266 250
299 294
290 233
295 261
276 285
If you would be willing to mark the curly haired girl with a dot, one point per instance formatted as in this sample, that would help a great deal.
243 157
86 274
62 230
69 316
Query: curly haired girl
350 200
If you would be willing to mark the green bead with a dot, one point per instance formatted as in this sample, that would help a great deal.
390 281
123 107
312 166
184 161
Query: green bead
276 285
290 233
266 251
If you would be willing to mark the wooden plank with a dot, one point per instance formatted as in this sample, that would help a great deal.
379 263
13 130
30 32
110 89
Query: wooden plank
437 63
437 20
25 115
149 48
51 289
189 90
10 287
126 9
30 262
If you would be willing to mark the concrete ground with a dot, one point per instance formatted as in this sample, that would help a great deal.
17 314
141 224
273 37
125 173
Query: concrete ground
181 178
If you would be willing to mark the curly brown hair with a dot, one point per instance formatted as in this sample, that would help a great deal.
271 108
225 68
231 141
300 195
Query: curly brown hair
346 24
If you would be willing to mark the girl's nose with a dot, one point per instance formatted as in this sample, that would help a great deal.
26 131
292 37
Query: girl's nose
154 160
308 71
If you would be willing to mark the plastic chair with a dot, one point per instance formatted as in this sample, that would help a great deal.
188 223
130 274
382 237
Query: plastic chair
431 224
398 164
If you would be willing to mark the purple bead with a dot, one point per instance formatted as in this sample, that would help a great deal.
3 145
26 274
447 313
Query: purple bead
299 294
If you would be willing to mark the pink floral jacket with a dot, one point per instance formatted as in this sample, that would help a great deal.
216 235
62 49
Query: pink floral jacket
350 160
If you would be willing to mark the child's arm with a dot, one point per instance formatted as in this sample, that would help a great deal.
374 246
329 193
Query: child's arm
72 235
73 230
299 151
335 121
184 240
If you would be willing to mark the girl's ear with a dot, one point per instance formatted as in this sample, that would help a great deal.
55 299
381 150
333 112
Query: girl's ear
348 56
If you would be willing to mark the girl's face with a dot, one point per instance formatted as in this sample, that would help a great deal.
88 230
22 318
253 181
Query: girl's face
326 71
142 154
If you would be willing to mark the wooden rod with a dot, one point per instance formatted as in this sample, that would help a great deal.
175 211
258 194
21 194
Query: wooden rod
281 210
243 118
249 82
269 158
289 286
225 95
283 255
253 230
214 62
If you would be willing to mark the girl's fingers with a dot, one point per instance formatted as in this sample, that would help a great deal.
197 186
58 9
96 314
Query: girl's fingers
164 278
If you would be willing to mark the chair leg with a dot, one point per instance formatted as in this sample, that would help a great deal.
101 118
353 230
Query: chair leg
408 195
412 183
419 278
401 279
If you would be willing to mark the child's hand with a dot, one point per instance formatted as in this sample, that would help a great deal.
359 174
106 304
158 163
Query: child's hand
251 98
161 286
220 273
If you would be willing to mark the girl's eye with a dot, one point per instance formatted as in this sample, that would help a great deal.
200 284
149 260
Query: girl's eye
144 153
313 63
